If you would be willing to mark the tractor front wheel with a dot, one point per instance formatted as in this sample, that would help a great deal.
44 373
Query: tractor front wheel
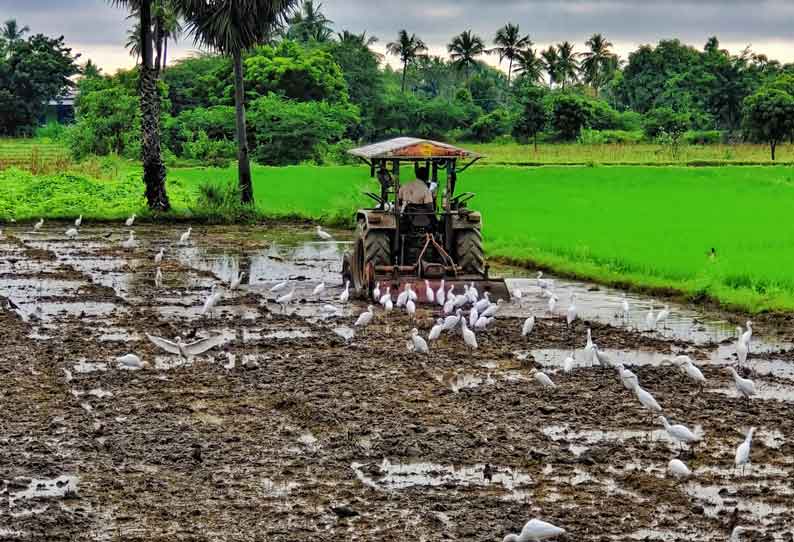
469 252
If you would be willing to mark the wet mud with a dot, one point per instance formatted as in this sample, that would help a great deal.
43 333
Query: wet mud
298 427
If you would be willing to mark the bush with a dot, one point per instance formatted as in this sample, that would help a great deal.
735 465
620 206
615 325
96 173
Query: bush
664 120
336 153
630 121
488 127
52 130
108 121
219 202
601 137
703 137
569 114
214 153
218 123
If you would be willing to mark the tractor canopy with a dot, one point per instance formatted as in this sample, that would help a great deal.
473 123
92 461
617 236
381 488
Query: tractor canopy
412 149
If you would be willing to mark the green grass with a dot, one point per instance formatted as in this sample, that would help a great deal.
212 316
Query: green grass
646 227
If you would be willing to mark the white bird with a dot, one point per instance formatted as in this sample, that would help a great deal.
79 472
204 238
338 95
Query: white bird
185 237
543 379
493 308
388 306
588 348
529 324
483 303
324 235
567 365
663 314
535 530
678 469
130 221
544 284
462 300
365 317
741 347
735 534
329 309
748 335
412 293
518 295
468 335
571 314
319 289
212 300
420 345
410 308
603 359
385 296
645 398
627 378
78 221
650 318
429 293
376 292
158 258
278 287
449 306
229 365
37 226
435 331
345 295
690 369
482 322
473 317
130 361
625 307
187 350
285 299
552 302
130 242
402 298
452 321
743 451
72 233
236 281
158 278
744 386
679 432
474 294
441 294
67 375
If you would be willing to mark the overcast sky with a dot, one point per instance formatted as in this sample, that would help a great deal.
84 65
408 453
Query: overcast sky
97 30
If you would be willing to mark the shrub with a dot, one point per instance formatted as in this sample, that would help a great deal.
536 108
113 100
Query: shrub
666 120
218 123
488 127
215 153
703 137
595 137
219 202
52 130
569 114
108 121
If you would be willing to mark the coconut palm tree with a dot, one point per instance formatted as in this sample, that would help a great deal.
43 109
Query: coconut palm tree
567 65
509 45
10 31
551 61
153 167
167 25
464 50
356 39
310 24
231 27
134 42
530 65
408 48
599 62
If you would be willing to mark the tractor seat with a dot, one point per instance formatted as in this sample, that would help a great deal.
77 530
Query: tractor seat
421 215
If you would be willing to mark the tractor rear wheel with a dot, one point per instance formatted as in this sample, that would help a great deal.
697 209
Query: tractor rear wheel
373 247
469 252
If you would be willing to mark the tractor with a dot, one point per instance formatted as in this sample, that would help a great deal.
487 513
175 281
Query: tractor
398 242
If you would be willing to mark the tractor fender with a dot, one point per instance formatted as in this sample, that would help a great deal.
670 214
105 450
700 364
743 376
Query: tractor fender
469 221
376 220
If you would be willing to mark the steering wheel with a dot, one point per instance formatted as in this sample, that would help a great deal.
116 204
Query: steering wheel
462 198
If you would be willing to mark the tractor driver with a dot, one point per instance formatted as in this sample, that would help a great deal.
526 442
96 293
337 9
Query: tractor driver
416 192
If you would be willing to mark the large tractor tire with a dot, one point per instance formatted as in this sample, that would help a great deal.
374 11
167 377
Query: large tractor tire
373 248
469 252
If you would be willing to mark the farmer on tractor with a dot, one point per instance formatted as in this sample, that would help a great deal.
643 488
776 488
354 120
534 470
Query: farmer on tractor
416 192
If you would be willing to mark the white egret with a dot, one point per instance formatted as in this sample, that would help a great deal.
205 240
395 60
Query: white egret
650 318
37 226
72 233
493 308
130 221
744 386
748 335
212 300
552 303
410 308
376 292
452 321
645 398
627 378
319 289
482 322
603 359
518 295
743 451
329 309
544 284
420 345
663 314
386 296
285 299
570 316
158 278
67 374
185 237
388 306
678 469
278 287
429 294
435 331
441 294
474 294
468 335
236 281
449 306
78 221
625 307
462 300
679 432
187 350
402 298
588 348
567 365
741 347
690 369
535 530
130 361
529 324
365 317
324 235
543 379
735 534
130 242
158 258
412 293
473 317
483 303
345 295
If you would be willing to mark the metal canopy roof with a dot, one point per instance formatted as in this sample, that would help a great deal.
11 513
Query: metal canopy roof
408 148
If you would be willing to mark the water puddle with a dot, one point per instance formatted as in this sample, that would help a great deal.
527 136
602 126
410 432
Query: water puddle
35 489
85 367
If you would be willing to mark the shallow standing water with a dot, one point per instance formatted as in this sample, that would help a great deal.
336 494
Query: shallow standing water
300 427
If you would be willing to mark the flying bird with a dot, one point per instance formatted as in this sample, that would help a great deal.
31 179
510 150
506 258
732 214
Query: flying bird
187 350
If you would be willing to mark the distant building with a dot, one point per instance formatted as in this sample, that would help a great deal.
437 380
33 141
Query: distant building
61 109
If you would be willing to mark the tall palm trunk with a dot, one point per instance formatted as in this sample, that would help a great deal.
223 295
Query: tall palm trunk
243 163
153 168
165 52
405 71
509 70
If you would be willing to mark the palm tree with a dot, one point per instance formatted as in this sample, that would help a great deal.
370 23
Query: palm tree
509 44
134 42
567 65
356 39
167 25
530 65
464 50
231 27
599 62
153 167
408 48
10 31
551 61
310 24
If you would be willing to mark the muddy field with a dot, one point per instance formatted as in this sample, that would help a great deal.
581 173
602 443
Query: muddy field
298 428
